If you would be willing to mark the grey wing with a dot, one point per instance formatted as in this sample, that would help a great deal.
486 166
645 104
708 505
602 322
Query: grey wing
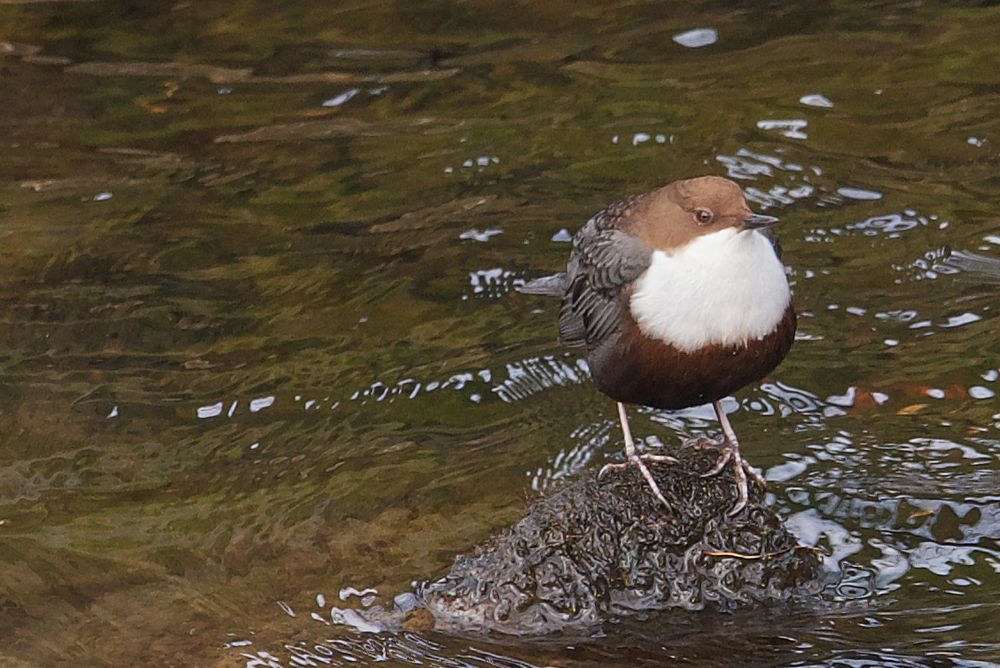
547 286
603 263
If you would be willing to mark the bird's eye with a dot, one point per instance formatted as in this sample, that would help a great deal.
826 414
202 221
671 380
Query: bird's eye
703 216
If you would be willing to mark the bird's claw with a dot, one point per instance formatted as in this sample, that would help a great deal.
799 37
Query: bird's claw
730 452
639 461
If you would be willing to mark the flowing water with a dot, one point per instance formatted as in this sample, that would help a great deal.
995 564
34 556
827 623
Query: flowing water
261 351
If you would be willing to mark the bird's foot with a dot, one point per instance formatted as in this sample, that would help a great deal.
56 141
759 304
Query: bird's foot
639 461
729 451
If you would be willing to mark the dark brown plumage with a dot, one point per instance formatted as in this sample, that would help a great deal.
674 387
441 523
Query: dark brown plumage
637 369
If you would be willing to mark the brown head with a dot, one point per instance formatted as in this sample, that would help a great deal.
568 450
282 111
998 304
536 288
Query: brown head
679 212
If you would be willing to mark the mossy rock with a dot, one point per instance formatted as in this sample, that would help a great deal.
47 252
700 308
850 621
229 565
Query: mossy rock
601 548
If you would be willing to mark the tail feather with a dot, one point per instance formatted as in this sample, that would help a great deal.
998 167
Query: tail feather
988 268
549 286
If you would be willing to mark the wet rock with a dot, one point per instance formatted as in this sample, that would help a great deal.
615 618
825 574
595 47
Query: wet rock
597 549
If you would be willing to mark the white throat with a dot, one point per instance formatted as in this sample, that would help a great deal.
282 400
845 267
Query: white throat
723 288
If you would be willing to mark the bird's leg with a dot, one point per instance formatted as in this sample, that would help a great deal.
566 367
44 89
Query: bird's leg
731 452
637 460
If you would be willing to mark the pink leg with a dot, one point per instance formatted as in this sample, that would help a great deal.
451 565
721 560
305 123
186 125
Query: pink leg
730 451
637 460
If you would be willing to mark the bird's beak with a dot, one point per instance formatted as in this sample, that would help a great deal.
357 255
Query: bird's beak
756 221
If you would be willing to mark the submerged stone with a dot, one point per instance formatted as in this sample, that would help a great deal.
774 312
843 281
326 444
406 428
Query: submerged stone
597 549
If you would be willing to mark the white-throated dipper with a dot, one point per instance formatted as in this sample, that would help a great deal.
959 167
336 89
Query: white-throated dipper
680 299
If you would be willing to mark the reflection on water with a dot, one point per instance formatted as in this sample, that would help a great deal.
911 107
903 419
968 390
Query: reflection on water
261 338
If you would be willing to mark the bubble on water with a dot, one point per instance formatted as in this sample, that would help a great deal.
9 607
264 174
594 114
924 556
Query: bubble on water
961 319
816 100
476 235
210 411
340 99
481 161
562 236
697 37
261 403
846 399
980 392
493 283
859 194
791 128
748 165
237 643
348 592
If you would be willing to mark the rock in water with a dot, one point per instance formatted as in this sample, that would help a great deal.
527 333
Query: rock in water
597 549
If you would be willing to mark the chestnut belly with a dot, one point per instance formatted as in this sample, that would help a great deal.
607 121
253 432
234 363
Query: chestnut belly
633 368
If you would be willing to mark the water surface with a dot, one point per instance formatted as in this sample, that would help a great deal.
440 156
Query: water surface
260 343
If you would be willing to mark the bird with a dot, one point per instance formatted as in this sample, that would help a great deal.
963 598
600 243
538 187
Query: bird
679 297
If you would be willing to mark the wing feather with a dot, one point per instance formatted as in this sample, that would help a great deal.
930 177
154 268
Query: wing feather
605 260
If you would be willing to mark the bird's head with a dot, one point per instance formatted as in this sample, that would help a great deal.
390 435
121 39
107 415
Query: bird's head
682 211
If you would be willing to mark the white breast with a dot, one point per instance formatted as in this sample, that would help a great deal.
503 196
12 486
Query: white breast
723 288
